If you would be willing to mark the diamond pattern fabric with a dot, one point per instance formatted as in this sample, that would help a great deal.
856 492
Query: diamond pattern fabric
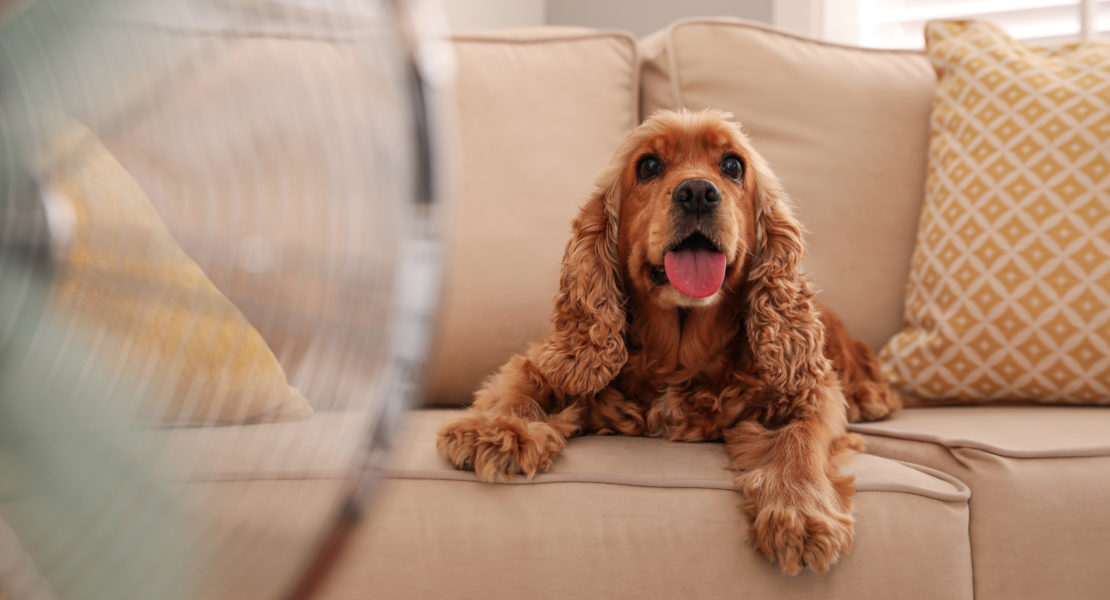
1009 291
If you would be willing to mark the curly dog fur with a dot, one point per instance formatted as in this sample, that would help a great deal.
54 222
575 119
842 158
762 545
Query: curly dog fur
757 363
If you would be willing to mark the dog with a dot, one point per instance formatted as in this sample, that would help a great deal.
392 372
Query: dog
683 312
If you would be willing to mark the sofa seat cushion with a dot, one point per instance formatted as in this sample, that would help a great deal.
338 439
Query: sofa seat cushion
1040 485
634 517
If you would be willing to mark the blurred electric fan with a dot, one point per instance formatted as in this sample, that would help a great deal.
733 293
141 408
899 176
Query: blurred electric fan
218 263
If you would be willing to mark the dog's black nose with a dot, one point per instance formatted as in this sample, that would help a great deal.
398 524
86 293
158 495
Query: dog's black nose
697 196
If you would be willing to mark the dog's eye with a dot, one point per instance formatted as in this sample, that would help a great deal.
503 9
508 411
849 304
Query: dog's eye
648 167
732 167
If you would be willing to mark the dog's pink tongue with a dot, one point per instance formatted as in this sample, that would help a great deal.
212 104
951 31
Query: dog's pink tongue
696 273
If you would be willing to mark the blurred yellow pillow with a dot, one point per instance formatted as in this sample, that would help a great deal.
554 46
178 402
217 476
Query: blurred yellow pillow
151 313
1009 290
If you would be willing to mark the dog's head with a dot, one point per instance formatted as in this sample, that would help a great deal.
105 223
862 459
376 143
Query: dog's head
687 213
687 199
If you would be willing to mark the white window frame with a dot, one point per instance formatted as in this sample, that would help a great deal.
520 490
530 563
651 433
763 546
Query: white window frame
843 21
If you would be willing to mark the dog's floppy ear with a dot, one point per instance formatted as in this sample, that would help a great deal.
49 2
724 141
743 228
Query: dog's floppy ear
585 349
783 325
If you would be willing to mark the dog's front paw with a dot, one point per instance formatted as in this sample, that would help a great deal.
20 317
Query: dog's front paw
871 401
796 537
795 528
497 446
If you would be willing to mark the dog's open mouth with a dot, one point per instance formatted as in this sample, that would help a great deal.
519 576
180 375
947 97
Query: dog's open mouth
695 267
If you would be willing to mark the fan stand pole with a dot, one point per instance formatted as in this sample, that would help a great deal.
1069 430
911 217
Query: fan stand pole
330 549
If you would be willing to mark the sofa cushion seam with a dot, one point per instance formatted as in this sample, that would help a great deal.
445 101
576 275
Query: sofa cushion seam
505 39
1096 452
960 496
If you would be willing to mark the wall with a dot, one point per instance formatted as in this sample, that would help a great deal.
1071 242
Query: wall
494 14
640 17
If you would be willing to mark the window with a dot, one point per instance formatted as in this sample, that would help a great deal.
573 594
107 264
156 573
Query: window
900 23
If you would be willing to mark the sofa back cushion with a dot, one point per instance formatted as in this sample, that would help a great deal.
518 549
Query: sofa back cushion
538 112
845 128
178 351
262 154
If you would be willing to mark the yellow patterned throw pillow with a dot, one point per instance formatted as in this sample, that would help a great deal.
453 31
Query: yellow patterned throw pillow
152 315
1009 290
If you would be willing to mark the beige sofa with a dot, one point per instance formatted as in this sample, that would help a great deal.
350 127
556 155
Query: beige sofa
955 502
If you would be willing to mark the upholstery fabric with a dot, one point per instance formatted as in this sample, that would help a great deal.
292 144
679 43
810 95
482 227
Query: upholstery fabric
634 517
1039 479
538 114
846 129
1009 291
154 314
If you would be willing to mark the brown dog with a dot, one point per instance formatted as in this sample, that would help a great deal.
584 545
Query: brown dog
683 312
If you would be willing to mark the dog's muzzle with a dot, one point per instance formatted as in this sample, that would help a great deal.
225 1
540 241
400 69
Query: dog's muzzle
697 196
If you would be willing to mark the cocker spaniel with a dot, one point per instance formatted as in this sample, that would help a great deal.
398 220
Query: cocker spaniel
683 312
